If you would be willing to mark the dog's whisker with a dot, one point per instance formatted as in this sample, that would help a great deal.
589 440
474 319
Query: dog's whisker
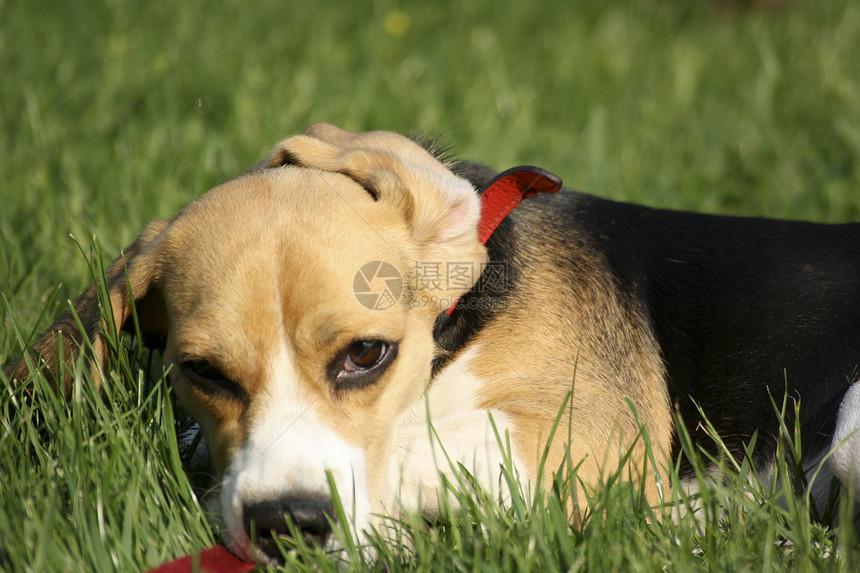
409 452
286 428
575 140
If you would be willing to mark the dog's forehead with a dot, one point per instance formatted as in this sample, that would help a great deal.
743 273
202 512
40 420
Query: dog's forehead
285 194
274 245
282 213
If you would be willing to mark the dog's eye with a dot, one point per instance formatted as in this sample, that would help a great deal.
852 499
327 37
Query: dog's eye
203 369
364 354
210 380
362 362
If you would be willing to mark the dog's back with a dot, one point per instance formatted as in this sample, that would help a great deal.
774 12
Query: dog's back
743 311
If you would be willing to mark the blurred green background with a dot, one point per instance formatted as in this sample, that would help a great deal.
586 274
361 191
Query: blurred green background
113 113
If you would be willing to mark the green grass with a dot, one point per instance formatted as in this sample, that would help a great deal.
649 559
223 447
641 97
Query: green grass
115 113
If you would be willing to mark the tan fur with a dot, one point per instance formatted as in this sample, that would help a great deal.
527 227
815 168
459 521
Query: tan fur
592 347
270 257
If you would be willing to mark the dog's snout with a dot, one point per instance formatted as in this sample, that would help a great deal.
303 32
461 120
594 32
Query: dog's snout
310 516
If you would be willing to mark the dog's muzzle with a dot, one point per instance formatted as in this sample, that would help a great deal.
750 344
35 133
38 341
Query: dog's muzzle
311 517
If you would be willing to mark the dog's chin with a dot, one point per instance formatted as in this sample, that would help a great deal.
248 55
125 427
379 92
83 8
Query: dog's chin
240 546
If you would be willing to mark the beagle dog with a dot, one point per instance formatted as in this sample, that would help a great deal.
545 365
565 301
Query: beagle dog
303 308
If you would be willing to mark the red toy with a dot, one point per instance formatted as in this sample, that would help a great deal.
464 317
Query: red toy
212 560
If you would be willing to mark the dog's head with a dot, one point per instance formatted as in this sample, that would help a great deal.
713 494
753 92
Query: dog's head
297 302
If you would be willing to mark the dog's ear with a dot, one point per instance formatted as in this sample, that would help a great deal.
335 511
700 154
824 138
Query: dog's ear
132 276
281 155
441 209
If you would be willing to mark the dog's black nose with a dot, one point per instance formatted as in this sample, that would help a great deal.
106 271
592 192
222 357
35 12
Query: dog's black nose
266 520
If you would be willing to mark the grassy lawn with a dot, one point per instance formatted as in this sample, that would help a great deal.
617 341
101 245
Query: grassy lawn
115 113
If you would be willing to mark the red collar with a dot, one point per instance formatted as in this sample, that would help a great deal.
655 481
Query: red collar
505 192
